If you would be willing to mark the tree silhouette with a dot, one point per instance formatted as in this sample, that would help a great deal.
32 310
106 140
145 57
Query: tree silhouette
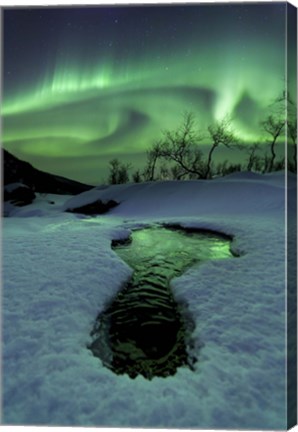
137 176
283 116
273 126
254 160
118 172
221 134
224 168
292 134
153 155
180 148
292 131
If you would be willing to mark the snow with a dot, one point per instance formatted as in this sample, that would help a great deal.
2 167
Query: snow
59 272
13 186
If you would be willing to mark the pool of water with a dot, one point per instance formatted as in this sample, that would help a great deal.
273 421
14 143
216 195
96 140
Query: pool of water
145 330
177 246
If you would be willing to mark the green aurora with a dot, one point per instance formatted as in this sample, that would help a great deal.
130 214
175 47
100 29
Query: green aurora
85 105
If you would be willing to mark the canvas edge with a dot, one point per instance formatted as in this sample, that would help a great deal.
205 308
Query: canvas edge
291 232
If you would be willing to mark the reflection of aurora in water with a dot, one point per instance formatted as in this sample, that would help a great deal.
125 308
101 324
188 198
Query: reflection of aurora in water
145 330
85 85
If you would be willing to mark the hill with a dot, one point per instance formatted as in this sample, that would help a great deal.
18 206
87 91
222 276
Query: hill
17 171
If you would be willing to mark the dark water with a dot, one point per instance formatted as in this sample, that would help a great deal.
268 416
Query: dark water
145 330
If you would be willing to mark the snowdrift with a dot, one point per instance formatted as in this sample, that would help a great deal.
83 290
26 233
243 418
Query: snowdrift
59 272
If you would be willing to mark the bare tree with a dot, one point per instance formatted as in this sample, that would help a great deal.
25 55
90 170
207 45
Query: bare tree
283 114
233 168
123 176
253 157
137 176
181 148
164 172
273 126
152 157
292 134
279 165
221 167
266 160
221 134
114 167
292 131
118 172
177 172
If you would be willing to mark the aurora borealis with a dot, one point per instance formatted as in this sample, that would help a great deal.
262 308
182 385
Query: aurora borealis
82 85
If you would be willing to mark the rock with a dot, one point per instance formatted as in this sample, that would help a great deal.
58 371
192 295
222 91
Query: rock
18 194
94 208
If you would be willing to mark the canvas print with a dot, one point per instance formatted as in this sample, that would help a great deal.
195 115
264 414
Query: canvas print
149 160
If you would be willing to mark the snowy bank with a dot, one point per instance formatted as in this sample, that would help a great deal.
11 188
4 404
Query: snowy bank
59 272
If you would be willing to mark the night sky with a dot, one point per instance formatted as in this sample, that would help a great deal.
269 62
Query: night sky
82 85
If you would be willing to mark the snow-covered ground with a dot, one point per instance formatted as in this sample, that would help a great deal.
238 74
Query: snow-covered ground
59 271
